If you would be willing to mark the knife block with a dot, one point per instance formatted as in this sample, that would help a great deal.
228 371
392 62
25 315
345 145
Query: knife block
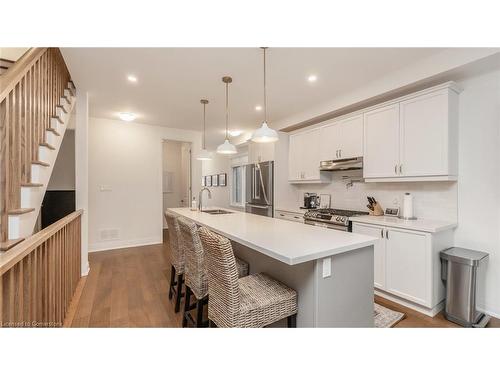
377 210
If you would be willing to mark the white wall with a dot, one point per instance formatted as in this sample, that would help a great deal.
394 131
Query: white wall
63 174
125 159
479 178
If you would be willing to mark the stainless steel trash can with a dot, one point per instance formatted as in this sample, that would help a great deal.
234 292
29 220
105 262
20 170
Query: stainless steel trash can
459 271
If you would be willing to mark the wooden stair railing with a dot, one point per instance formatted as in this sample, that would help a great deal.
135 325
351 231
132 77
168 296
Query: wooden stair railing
38 277
31 92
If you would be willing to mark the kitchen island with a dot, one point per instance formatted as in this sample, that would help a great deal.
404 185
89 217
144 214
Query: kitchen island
332 271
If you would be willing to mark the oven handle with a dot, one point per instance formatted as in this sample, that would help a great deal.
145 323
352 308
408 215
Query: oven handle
325 225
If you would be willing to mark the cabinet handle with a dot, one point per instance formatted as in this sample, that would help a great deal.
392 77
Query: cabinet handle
396 169
400 168
382 233
340 154
337 154
387 233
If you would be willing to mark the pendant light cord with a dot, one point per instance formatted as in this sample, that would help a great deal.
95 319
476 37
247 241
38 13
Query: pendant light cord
265 95
204 132
227 108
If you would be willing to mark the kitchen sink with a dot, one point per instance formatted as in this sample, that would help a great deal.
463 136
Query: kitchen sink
217 212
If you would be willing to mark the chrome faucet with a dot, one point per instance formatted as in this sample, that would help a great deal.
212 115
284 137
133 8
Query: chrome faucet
200 205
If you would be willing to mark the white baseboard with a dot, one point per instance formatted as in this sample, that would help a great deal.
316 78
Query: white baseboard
489 312
111 245
421 309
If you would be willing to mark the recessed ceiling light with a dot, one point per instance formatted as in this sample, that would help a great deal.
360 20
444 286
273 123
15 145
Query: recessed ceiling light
235 133
127 116
132 78
312 78
258 108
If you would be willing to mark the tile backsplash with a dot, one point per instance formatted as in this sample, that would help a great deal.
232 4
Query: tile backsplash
431 200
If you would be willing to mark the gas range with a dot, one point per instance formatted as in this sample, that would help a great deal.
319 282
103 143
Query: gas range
332 218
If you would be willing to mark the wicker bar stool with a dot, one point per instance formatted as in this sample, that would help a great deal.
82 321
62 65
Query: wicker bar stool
252 301
176 260
195 272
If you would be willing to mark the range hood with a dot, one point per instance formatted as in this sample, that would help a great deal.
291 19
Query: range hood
341 164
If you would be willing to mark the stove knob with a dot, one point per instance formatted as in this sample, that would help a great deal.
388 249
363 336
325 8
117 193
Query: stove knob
337 218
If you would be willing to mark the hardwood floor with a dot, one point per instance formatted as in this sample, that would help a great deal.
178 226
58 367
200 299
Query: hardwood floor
129 288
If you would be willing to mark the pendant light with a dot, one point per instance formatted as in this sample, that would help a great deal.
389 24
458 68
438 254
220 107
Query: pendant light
227 147
204 153
264 134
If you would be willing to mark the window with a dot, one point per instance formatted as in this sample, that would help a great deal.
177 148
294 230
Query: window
237 182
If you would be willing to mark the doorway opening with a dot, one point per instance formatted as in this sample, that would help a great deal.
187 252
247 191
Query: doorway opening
176 175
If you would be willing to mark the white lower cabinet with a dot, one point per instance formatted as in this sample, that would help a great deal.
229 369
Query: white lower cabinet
407 264
379 251
288 215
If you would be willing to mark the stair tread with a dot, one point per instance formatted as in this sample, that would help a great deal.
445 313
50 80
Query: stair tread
20 211
31 184
62 107
45 144
39 162
53 131
6 245
58 119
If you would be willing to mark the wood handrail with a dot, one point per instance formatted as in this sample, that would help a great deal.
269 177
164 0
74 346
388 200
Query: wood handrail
14 74
10 258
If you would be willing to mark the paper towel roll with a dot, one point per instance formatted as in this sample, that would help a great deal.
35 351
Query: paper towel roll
408 206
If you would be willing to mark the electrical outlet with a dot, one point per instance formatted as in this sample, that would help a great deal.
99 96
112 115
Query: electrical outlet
395 202
327 267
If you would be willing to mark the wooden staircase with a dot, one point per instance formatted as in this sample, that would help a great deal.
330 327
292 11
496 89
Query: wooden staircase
37 97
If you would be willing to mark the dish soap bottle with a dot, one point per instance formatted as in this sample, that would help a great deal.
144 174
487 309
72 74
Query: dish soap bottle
193 204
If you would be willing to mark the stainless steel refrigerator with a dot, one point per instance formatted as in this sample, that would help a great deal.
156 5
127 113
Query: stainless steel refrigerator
259 188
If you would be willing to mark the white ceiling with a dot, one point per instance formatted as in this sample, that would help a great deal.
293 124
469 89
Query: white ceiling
171 81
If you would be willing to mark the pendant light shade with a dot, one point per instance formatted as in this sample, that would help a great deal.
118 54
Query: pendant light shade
204 154
227 148
265 134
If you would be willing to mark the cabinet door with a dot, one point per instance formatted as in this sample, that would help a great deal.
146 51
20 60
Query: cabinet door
266 152
329 142
408 265
381 142
310 154
424 135
253 152
295 149
351 137
379 251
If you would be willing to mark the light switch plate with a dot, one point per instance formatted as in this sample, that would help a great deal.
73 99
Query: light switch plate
105 188
327 267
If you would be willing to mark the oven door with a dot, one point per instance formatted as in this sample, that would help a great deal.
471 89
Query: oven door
342 228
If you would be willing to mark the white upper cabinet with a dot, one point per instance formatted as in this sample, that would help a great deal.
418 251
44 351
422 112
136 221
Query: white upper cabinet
260 152
351 137
304 157
342 139
415 139
329 143
425 137
381 142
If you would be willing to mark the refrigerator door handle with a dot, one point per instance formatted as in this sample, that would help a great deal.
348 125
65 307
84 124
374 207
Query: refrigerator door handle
262 184
264 207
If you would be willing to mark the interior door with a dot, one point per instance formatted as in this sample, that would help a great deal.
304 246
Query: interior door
381 142
424 124
351 137
379 251
408 265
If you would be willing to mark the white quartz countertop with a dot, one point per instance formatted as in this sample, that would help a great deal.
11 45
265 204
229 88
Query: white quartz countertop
287 241
421 225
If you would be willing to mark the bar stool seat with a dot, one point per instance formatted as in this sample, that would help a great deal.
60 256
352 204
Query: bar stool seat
264 300
252 301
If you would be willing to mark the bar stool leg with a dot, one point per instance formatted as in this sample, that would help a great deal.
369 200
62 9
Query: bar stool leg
187 302
199 313
211 324
172 282
178 295
292 321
